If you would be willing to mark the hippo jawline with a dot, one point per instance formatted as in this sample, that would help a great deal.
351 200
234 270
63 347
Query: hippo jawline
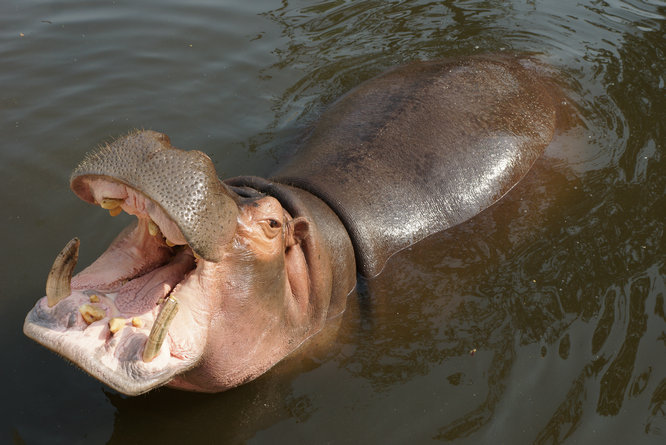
122 294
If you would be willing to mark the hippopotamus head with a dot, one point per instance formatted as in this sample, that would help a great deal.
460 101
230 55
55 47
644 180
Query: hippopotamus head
209 288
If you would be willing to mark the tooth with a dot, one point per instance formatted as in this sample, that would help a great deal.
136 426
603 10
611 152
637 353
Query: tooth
137 322
116 324
160 328
152 228
60 276
94 298
169 243
111 203
116 211
91 313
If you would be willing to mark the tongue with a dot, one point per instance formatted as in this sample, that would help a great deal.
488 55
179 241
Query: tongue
142 294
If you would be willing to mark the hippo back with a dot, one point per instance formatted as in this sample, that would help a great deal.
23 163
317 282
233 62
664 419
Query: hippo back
424 147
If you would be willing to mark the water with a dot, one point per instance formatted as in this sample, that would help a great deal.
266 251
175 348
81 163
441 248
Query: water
540 321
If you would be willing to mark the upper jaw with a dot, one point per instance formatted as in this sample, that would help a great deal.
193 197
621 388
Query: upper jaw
184 185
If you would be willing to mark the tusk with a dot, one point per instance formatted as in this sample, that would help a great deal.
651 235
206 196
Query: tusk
160 328
60 277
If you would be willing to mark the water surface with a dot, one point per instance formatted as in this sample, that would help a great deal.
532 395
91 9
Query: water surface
539 321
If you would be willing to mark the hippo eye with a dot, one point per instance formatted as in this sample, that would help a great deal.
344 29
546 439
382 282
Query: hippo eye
271 227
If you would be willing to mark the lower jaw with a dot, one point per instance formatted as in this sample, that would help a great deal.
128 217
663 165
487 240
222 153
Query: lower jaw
115 358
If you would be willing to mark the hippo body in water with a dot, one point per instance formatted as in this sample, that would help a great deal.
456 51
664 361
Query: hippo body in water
218 281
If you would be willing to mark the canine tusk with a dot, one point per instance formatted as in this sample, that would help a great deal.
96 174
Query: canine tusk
160 328
60 276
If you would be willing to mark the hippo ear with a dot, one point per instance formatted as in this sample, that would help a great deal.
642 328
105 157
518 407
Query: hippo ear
297 230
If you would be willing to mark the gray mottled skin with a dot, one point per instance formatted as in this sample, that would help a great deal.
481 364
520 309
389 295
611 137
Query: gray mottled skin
183 183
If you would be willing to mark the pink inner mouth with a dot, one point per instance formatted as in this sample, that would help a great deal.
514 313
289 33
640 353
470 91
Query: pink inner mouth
143 293
139 267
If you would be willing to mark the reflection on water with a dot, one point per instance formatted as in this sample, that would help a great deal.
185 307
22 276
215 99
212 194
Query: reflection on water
541 320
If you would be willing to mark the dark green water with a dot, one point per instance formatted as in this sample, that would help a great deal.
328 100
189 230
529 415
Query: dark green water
559 289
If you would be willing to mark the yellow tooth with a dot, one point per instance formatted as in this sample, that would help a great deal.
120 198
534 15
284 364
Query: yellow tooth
94 298
169 243
110 203
160 329
152 228
116 211
137 322
116 324
91 313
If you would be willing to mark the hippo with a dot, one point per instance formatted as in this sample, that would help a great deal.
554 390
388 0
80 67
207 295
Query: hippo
217 281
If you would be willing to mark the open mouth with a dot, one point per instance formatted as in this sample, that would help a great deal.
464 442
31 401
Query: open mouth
138 315
115 318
